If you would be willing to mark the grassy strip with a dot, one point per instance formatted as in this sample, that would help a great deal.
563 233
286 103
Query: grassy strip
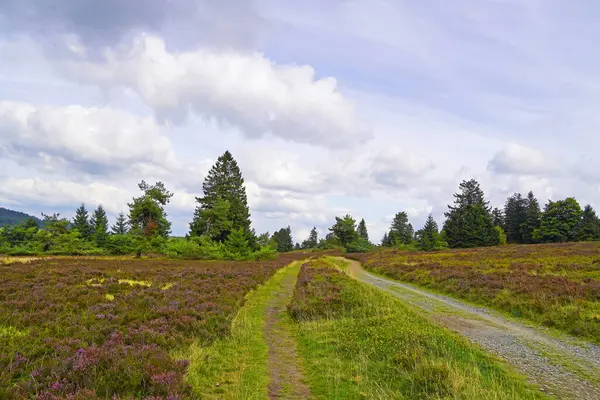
359 342
237 367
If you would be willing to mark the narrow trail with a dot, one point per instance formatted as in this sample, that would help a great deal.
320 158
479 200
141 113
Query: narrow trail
562 367
287 379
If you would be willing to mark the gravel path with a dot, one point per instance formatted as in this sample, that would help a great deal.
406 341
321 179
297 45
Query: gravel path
563 367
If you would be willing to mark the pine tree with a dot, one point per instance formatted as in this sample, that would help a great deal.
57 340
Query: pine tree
362 230
498 216
312 241
237 244
385 241
344 230
429 235
469 221
401 230
224 184
589 228
515 213
81 222
120 226
147 216
99 224
283 239
533 216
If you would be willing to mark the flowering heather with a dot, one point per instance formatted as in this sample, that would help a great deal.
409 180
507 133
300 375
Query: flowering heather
557 285
79 329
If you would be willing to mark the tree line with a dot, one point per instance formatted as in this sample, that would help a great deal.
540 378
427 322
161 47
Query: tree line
221 226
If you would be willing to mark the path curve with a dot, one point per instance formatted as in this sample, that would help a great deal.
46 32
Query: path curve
287 379
561 367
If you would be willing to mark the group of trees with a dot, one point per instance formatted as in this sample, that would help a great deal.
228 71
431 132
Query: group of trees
221 225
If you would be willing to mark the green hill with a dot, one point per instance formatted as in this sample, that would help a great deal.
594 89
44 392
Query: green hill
11 217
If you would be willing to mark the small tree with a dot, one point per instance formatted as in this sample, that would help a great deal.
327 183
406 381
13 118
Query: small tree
81 222
147 217
237 244
429 235
362 230
498 216
312 241
120 226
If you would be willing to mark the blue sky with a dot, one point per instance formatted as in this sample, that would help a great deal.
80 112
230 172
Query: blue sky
330 107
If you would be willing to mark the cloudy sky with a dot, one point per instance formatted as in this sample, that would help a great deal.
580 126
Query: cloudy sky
367 107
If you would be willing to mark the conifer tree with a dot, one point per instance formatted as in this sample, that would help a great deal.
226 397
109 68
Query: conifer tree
283 239
224 206
147 216
469 221
81 222
385 241
498 216
344 230
429 235
312 241
589 228
99 224
532 221
401 230
515 213
120 226
362 230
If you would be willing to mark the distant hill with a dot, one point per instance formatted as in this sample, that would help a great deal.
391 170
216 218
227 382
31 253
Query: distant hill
11 217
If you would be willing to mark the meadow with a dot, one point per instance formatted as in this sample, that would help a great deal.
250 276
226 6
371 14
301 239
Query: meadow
358 342
556 285
80 328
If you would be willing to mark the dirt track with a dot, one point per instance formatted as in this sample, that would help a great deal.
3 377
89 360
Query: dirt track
563 367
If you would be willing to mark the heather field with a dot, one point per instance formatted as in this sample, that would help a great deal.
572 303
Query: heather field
81 328
557 285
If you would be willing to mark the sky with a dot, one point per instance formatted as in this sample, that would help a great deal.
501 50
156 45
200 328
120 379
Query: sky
330 107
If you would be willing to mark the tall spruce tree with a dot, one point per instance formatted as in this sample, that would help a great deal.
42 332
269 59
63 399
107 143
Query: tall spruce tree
589 228
120 226
532 221
469 221
401 230
224 206
362 230
81 222
99 223
429 235
515 214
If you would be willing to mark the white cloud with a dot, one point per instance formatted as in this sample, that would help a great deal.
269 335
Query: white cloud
93 138
517 159
247 91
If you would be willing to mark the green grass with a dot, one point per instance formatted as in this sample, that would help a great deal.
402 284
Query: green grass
237 367
358 342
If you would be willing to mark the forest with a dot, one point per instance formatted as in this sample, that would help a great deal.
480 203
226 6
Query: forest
221 227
